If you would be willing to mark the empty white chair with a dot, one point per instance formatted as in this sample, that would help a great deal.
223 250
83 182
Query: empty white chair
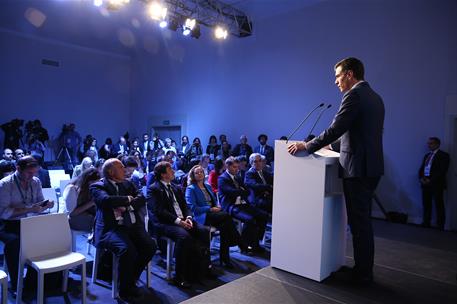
55 176
46 246
4 283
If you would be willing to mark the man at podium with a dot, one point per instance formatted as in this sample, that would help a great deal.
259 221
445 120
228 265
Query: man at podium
357 131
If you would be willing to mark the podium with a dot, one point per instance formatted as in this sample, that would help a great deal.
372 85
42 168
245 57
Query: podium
309 214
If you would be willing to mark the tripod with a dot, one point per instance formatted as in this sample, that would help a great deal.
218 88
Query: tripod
66 155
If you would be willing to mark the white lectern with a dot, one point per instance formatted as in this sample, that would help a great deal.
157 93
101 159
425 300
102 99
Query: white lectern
309 215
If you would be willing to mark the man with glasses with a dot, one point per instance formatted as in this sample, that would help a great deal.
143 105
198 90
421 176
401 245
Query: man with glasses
358 127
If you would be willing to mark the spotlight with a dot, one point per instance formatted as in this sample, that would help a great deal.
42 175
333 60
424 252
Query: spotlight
220 32
98 3
157 11
188 26
163 24
115 4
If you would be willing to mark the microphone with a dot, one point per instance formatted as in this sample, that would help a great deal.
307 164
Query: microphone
303 121
318 118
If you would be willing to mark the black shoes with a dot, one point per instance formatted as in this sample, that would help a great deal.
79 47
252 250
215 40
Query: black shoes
226 263
182 283
352 276
131 295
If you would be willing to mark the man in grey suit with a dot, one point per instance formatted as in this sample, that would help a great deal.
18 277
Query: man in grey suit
357 129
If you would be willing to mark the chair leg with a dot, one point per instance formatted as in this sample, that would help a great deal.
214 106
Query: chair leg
83 283
114 287
73 241
40 288
5 265
65 281
20 281
169 257
149 275
5 290
95 265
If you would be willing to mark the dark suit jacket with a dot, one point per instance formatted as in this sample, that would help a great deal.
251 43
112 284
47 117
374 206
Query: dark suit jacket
438 170
117 149
160 206
106 199
228 192
359 126
268 152
258 190
242 150
45 180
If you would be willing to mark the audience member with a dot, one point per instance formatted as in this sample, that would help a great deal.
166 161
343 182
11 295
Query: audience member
242 148
223 138
432 176
20 196
131 171
213 148
224 152
219 168
99 165
205 163
135 146
144 147
8 155
43 174
195 149
243 162
121 147
18 153
260 184
168 146
118 227
79 204
170 217
233 198
35 145
86 163
208 212
185 145
156 143
264 149
106 151
6 168
93 148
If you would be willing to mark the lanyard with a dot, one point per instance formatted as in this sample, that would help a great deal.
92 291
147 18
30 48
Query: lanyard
16 179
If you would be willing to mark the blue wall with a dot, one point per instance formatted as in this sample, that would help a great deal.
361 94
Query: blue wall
267 83
90 88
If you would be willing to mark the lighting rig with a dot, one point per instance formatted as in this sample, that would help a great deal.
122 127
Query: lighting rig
188 15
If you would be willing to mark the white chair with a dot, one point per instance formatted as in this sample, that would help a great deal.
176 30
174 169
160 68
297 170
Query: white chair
115 273
74 235
50 194
46 246
55 176
170 254
4 282
213 232
62 184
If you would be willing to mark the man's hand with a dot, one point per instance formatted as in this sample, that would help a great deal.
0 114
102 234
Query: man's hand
118 212
295 147
215 209
185 224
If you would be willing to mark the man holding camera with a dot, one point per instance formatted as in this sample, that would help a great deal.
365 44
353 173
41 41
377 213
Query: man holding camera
20 196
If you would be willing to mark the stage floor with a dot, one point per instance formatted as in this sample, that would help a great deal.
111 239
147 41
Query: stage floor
412 265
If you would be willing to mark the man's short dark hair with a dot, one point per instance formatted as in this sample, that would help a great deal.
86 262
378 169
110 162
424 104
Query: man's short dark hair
130 162
231 160
27 162
262 135
6 166
435 139
161 168
352 64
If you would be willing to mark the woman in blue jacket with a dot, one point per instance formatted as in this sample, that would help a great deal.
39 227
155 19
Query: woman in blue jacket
207 211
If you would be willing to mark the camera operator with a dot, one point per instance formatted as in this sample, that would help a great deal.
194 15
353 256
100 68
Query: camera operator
13 133
71 140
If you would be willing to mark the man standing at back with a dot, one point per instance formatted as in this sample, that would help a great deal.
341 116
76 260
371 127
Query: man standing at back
358 126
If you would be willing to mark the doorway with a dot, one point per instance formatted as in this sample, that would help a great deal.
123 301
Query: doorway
173 132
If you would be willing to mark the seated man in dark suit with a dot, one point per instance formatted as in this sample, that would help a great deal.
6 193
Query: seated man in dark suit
119 228
242 148
432 176
260 184
170 217
265 149
233 198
